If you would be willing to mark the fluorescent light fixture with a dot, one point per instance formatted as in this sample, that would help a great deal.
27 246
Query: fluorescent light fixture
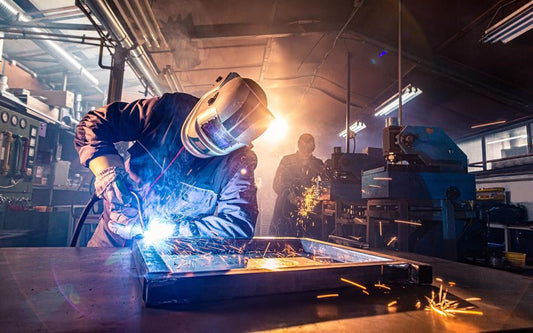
524 136
355 128
511 27
408 93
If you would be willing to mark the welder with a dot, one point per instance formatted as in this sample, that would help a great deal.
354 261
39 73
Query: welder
295 173
190 164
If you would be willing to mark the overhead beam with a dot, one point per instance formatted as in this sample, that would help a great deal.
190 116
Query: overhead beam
276 30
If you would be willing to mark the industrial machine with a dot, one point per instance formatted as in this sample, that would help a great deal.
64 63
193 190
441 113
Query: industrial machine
346 206
421 200
18 148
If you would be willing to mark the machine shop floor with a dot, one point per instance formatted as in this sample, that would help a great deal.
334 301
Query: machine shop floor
90 289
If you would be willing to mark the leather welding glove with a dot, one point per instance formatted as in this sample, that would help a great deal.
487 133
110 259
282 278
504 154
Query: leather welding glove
114 185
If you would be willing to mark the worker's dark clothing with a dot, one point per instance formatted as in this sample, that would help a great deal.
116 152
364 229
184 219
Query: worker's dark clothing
206 197
294 175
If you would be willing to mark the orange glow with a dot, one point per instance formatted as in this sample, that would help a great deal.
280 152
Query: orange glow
353 283
408 222
327 295
383 286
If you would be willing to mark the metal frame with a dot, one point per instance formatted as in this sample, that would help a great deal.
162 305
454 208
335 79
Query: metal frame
160 286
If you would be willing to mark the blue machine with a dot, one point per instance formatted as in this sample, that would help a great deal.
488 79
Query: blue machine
425 181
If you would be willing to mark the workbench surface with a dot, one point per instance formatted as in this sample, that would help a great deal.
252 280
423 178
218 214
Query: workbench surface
92 289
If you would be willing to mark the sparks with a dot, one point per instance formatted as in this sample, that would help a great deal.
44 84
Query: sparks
408 222
327 296
383 286
392 303
444 306
353 283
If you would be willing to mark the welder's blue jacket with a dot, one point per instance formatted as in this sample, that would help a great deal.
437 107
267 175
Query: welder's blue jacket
206 197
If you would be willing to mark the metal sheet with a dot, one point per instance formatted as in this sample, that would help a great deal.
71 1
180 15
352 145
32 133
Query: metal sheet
185 271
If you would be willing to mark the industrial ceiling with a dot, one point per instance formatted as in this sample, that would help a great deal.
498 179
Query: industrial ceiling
299 50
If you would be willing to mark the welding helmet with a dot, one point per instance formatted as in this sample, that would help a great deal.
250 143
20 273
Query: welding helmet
228 117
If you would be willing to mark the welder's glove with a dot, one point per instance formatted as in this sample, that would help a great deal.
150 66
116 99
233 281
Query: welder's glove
115 186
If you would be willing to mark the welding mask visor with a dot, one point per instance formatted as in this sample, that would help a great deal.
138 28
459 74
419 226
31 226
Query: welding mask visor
228 117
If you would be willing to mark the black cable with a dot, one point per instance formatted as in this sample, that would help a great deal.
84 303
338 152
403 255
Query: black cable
81 220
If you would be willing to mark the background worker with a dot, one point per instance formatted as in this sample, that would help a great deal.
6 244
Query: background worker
191 163
295 174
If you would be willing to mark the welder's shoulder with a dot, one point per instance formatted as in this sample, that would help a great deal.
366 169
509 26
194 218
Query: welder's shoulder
290 159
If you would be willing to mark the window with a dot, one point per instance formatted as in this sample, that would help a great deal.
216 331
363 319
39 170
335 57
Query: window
472 149
504 144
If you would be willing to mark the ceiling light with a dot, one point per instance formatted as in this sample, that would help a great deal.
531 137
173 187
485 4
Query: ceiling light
408 93
524 136
510 27
355 128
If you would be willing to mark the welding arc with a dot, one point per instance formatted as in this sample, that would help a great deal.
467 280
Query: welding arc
81 220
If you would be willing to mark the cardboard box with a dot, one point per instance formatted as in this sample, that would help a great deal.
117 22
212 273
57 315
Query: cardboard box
36 104
58 98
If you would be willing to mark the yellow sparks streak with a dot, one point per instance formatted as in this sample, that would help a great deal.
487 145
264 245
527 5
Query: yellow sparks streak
392 303
382 178
408 222
446 307
451 283
392 240
266 249
327 295
366 292
470 299
379 285
353 283
380 229
488 124
479 313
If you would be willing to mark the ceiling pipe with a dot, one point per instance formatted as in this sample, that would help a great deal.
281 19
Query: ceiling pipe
137 56
147 24
157 37
11 13
130 12
153 21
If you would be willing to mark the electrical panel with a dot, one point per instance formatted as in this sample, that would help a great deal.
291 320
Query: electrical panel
19 135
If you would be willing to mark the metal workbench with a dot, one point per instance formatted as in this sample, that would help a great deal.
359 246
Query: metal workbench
89 289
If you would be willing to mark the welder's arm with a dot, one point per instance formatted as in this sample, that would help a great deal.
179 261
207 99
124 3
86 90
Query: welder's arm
236 213
96 135
100 129
280 183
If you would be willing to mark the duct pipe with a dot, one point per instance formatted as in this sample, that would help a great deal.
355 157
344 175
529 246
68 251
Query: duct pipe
9 12
131 13
138 57
147 24
153 21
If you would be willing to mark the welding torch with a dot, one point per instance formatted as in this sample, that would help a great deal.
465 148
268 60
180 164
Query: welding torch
89 205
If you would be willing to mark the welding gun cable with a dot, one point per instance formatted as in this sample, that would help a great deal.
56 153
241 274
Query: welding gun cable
81 220
141 217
